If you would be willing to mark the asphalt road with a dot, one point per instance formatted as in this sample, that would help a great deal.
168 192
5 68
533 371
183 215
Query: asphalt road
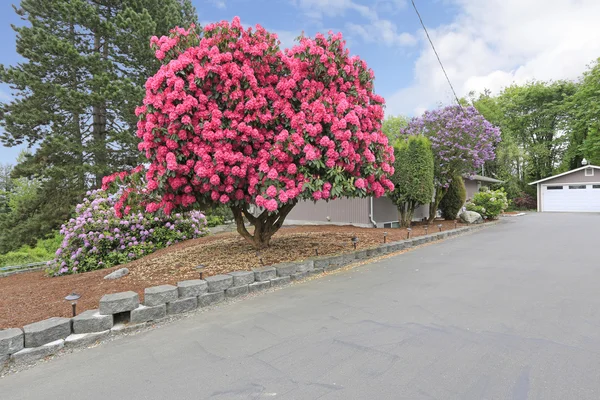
511 312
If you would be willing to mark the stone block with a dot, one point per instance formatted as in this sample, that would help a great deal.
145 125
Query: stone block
256 286
219 283
360 254
373 252
316 271
85 339
305 266
32 354
241 278
145 313
285 269
46 331
118 302
341 260
182 305
236 291
11 341
283 280
4 361
321 263
92 321
122 328
191 288
208 299
157 295
264 274
299 275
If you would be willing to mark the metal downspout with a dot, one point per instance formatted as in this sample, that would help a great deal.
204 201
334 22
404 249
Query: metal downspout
371 214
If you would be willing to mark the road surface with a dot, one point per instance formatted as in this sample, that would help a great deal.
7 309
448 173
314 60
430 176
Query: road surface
510 312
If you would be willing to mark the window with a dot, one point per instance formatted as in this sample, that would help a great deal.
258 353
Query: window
555 187
595 186
589 172
576 186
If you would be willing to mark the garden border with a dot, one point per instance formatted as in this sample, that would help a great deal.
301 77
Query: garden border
24 346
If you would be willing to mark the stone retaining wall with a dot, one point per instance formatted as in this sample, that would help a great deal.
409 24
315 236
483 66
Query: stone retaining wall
122 311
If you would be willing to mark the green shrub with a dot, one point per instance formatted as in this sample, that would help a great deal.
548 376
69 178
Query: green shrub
489 203
43 251
97 239
454 199
413 176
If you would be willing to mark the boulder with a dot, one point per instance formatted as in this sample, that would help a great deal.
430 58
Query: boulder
121 272
471 217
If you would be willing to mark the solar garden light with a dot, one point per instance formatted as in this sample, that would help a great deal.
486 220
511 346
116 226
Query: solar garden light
426 229
455 223
384 237
73 297
200 269
317 251
408 230
440 227
354 242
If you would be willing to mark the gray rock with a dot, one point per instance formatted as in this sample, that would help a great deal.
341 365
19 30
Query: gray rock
157 295
182 305
118 302
299 275
285 269
123 328
241 278
145 314
305 266
85 339
46 331
321 262
373 252
219 283
209 299
336 262
264 274
92 321
32 354
360 254
11 341
191 288
283 280
471 217
256 286
121 272
236 291
4 361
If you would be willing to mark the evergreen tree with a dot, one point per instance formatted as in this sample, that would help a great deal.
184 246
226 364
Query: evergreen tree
413 176
74 96
454 198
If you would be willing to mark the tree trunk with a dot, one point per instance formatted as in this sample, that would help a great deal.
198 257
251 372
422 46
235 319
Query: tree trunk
433 206
265 225
406 211
99 122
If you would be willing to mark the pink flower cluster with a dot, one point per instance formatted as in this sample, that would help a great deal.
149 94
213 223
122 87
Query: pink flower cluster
235 120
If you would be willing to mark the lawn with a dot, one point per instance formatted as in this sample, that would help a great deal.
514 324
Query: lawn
33 296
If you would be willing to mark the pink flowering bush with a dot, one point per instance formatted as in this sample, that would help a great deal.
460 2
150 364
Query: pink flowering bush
232 119
462 140
97 239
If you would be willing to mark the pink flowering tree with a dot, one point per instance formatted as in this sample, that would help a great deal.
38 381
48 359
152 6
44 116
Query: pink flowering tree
230 118
462 140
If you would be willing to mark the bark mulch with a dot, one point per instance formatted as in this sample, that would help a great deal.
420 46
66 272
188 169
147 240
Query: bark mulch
33 296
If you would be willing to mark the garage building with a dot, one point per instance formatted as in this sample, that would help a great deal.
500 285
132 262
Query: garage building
577 190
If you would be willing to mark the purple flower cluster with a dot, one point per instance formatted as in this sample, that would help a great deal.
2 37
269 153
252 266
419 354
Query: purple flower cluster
462 140
96 238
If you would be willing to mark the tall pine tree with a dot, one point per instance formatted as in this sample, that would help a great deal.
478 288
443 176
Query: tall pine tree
74 96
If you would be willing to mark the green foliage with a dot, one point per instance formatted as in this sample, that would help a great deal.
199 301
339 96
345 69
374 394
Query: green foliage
218 215
454 199
413 176
43 251
489 203
585 120
73 97
392 125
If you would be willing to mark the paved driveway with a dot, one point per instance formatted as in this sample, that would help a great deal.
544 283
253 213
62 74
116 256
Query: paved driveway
507 313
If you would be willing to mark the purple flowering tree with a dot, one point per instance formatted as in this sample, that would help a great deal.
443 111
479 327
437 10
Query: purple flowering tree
462 141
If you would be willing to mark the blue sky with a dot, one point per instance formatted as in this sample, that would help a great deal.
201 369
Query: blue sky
483 44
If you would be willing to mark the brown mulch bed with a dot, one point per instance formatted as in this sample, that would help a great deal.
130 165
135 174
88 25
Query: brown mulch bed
33 296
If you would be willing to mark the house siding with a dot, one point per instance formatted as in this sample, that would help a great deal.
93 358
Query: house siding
575 177
384 210
336 212
472 188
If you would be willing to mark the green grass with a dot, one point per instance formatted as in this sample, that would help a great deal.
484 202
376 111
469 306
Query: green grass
43 251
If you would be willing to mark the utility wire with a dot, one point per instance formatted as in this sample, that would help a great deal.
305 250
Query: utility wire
436 54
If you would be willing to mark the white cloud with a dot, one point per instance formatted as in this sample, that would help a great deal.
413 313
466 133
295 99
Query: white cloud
494 43
219 4
374 29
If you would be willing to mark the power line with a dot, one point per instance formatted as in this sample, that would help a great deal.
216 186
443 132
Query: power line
436 53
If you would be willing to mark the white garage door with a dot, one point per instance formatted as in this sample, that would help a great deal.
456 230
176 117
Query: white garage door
571 198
